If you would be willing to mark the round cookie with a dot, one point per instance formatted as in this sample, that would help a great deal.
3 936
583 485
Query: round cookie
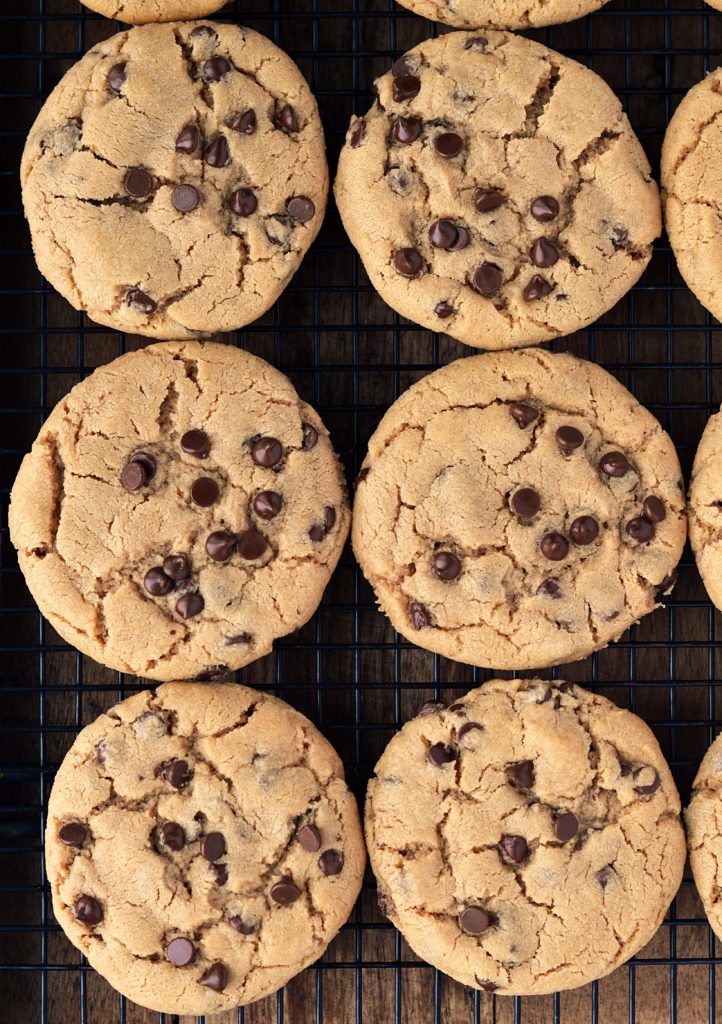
705 514
527 839
202 846
518 510
703 817
473 14
138 12
175 178
692 189
495 191
180 510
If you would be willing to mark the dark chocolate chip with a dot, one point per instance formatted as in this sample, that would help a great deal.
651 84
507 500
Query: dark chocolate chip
147 461
614 464
310 437
474 920
488 199
137 299
172 836
446 565
444 309
566 827
484 983
487 279
244 123
419 615
362 476
267 451
554 546
185 198
430 707
650 787
401 66
408 129
178 567
220 545
196 443
653 509
515 848
239 638
300 208
525 502
215 978
203 31
217 153
549 588
72 834
267 504
468 727
88 910
176 773
442 234
569 439
205 491
543 253
640 529
213 846
137 182
440 753
180 952
521 774
285 892
329 518
310 838
190 605
317 532
476 43
116 78
242 926
537 288
251 545
157 582
405 87
133 476
584 530
604 875
461 241
448 145
523 414
544 208
331 862
288 119
358 134
215 68
408 262
243 202
188 139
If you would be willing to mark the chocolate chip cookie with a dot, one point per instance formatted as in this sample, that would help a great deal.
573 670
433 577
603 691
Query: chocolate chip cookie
692 188
501 13
704 833
495 191
526 839
175 178
705 508
517 510
180 510
138 12
202 846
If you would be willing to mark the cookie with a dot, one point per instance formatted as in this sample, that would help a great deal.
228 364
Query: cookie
518 510
495 191
202 846
703 817
692 187
180 510
138 12
705 512
175 178
501 13
527 839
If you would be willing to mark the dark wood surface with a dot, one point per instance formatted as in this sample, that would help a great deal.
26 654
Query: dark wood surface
347 356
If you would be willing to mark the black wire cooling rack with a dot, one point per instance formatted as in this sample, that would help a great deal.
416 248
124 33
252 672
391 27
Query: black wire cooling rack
350 356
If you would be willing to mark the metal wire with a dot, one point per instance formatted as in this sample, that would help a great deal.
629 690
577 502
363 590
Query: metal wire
350 356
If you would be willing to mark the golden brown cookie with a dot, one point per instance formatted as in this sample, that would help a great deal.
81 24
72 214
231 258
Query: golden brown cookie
138 12
705 508
704 833
474 14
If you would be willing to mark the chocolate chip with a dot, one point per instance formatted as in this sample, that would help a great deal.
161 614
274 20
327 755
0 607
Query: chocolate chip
604 875
523 414
569 439
614 464
251 545
446 565
133 476
300 208
408 129
486 279
267 504
618 236
461 241
515 847
476 43
317 532
189 139
537 288
116 77
408 262
157 583
196 443
215 978
584 530
484 983
243 202
358 134
185 198
178 567
88 910
172 836
544 208
310 838
72 834
203 31
331 862
287 119
285 892
220 545
244 123
217 153
650 787
137 299
444 309
521 774
442 234
474 920
653 509
430 707
468 727
190 605
566 827
543 253
239 638
405 87
401 66
242 926
419 615
176 773
549 588
180 952
310 437
525 502
215 68
137 182
205 491
362 476
554 546
267 451
213 846
448 145
487 199
640 529
440 753
329 518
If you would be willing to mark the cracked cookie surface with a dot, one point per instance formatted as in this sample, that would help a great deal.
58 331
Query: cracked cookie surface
518 510
692 189
474 14
202 846
496 192
180 510
175 178
139 12
703 818
526 839
705 508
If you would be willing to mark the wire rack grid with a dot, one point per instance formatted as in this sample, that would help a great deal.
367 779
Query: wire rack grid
350 356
